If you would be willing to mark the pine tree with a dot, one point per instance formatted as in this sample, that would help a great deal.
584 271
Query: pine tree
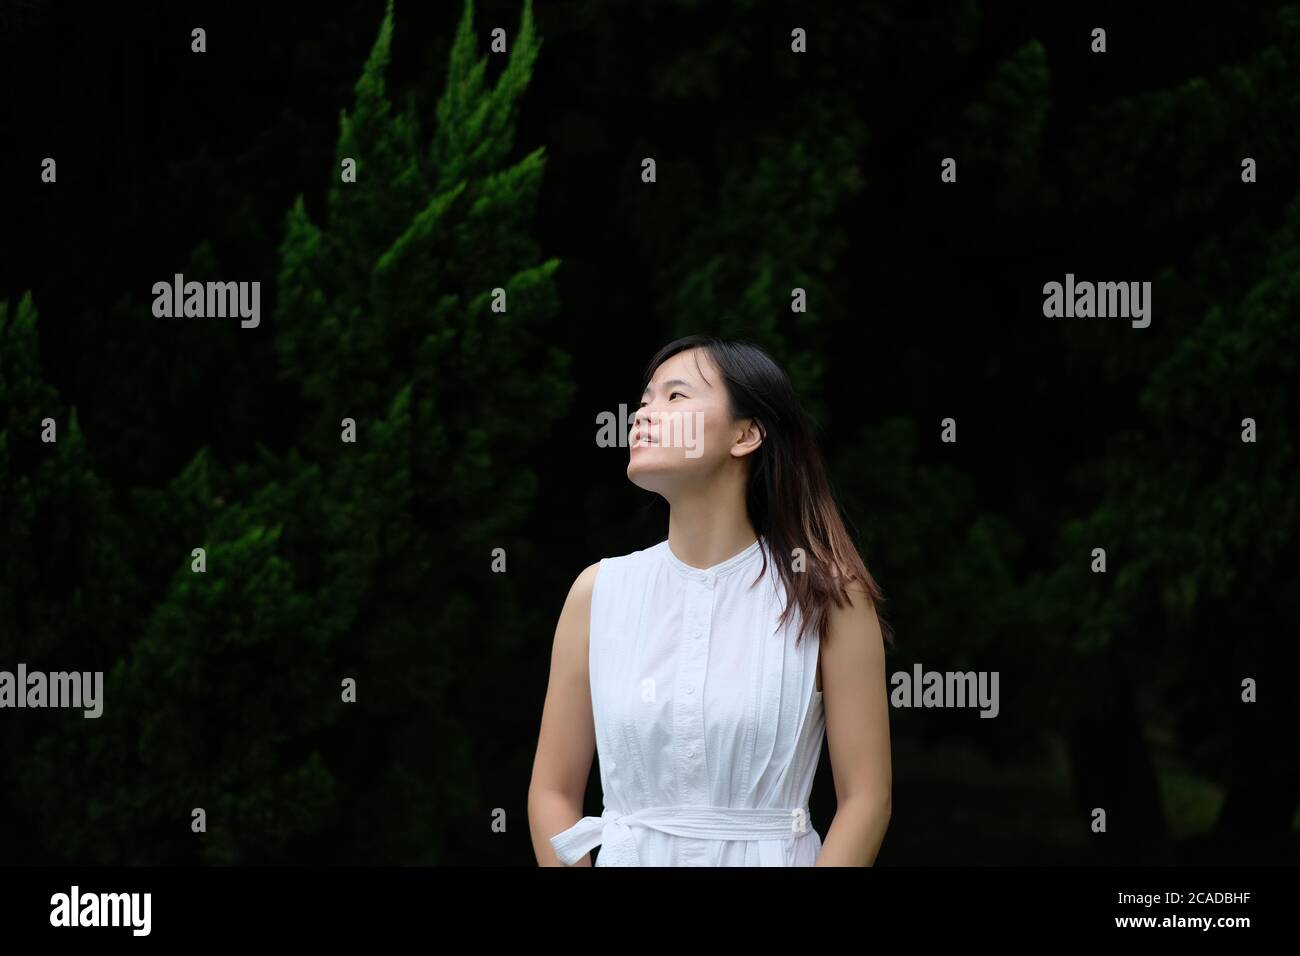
65 589
452 387
366 560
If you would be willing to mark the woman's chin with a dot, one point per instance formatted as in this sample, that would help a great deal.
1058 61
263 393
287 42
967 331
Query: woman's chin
646 474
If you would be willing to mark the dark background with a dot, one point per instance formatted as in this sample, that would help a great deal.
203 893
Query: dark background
819 171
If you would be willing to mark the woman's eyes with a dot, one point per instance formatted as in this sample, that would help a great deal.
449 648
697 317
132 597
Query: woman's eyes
671 396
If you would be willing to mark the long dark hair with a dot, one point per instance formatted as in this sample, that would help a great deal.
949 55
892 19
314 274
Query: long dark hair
788 497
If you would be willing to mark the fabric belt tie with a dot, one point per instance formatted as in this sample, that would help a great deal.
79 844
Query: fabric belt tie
612 831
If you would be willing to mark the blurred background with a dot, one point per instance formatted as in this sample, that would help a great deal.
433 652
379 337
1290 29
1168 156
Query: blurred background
476 429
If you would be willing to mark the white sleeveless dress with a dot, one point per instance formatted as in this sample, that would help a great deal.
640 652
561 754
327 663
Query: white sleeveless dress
709 724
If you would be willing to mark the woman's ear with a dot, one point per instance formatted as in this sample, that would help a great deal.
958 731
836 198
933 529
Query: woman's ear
749 439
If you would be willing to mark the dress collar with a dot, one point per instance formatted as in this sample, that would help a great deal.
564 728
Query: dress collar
721 568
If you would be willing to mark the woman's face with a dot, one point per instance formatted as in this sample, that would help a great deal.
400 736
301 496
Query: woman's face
683 432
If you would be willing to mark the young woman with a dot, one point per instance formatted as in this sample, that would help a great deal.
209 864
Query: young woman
707 669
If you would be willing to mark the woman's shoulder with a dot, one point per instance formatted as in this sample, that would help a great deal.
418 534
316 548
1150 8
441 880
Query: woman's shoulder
589 574
620 567
653 552
585 582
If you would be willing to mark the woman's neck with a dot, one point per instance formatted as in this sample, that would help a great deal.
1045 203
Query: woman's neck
708 528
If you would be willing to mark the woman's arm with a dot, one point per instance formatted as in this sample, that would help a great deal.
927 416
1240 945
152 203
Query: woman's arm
566 745
856 699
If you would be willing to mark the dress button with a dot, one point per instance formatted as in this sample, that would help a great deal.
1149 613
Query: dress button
690 690
690 753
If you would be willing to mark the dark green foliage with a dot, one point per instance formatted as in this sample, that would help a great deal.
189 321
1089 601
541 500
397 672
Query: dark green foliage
367 561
